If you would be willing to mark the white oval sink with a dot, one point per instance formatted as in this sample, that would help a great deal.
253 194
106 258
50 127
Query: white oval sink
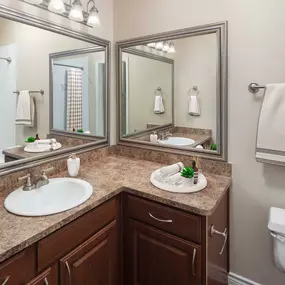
36 148
177 141
59 195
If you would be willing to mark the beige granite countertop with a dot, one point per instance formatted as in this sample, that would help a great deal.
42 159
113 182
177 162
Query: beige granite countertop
108 176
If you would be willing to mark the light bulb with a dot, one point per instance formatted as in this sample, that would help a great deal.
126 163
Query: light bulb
93 19
76 13
151 45
172 48
159 45
166 47
34 1
56 6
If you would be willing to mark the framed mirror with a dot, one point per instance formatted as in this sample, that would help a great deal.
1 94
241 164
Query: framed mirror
55 89
172 91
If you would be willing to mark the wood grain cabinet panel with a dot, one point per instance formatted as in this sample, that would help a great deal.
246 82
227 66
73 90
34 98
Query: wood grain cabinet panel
156 257
48 277
94 262
19 269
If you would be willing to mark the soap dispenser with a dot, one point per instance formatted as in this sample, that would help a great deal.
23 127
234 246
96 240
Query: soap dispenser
153 137
73 165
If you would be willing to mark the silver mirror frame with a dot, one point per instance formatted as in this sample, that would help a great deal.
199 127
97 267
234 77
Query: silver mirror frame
65 54
221 31
24 18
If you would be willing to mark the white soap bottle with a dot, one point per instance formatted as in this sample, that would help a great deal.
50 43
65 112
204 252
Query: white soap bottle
73 165
153 137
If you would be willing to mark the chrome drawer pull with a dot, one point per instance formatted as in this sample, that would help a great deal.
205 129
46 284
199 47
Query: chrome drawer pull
223 234
6 280
46 281
69 272
163 221
193 261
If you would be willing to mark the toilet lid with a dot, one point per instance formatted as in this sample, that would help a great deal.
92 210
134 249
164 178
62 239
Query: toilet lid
276 221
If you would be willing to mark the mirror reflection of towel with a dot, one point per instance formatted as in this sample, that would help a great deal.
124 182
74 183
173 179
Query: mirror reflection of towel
158 105
194 106
25 112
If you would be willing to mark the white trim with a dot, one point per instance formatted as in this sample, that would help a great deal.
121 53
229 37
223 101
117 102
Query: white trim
235 279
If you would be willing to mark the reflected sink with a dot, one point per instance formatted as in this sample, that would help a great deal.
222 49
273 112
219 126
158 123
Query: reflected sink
177 141
59 195
37 148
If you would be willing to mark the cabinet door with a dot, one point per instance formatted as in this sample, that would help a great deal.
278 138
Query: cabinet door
48 277
94 262
19 269
154 257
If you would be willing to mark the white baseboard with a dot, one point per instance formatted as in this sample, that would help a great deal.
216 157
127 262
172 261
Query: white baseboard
235 279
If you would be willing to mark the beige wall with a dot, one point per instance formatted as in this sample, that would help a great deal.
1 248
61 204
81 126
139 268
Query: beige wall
256 54
196 65
145 75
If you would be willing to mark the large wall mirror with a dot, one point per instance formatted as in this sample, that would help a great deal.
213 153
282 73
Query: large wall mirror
172 91
54 89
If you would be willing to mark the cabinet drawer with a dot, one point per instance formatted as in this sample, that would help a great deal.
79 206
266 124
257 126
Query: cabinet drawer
19 269
162 217
62 241
48 277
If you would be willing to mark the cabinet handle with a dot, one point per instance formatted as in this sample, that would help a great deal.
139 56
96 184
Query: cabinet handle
68 270
193 262
6 280
223 234
46 281
163 221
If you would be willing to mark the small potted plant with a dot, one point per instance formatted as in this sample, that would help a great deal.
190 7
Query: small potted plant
187 176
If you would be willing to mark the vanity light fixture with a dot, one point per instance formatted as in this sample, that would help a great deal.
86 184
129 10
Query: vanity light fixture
159 45
93 19
166 47
36 2
172 48
76 12
56 6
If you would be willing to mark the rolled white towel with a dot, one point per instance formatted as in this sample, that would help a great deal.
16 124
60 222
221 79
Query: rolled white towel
47 141
199 147
171 169
173 179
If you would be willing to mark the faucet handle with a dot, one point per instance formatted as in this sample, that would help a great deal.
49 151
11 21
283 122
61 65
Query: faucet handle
47 170
28 186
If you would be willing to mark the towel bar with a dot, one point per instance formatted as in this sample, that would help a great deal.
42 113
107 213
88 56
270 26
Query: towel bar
32 92
254 87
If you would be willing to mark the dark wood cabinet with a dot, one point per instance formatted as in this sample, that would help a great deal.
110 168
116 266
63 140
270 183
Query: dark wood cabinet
48 277
156 257
94 262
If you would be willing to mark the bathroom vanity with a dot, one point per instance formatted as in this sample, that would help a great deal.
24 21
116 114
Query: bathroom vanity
128 232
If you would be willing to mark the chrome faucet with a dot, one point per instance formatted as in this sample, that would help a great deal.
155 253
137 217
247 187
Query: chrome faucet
166 136
38 182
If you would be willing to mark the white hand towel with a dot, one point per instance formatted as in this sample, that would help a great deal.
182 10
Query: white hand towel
270 146
46 141
194 106
25 109
158 105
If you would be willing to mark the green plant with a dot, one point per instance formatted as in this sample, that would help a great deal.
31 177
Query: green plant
30 139
80 131
213 146
187 172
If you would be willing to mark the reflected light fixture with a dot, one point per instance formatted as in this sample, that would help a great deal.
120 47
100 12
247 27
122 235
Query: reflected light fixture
76 13
159 45
172 48
93 19
37 2
56 6
166 47
151 45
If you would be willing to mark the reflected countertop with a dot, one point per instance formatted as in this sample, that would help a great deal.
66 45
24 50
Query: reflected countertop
109 176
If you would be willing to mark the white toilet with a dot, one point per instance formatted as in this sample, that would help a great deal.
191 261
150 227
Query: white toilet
276 225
